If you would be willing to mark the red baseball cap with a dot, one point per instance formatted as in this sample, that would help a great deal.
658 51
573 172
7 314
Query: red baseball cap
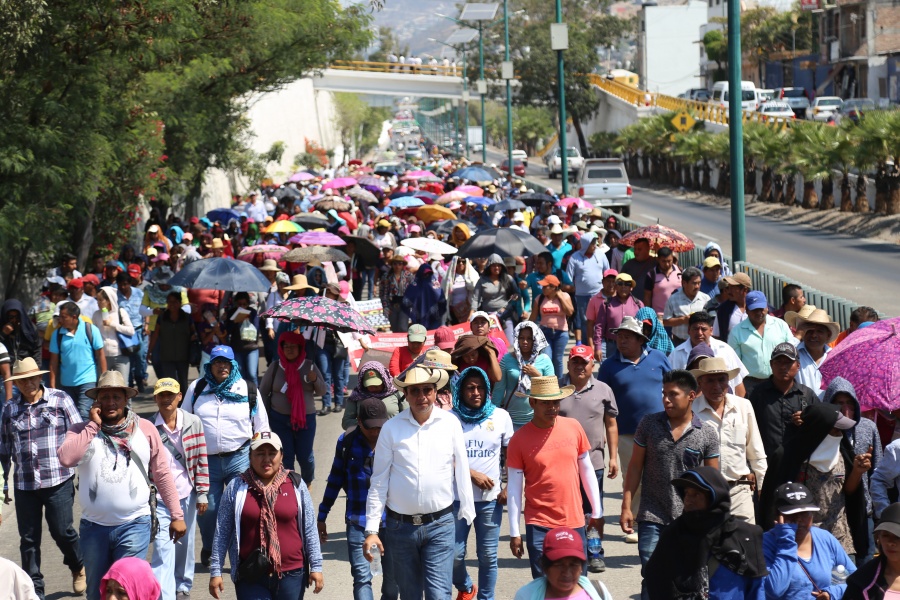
90 278
610 273
549 280
135 271
78 282
583 352
563 542
195 220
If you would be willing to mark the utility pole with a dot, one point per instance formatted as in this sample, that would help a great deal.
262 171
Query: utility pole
559 41
736 132
508 76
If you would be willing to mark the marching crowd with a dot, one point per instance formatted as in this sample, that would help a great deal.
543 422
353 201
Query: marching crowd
587 355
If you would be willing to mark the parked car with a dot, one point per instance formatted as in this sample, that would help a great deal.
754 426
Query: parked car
855 108
824 108
518 167
476 147
574 162
796 97
521 155
604 183
700 95
765 95
776 108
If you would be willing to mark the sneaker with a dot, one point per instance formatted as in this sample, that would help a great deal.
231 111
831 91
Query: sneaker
79 581
324 412
470 595
631 538
596 565
337 408
204 557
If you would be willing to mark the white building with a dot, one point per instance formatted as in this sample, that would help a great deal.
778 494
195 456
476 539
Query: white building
668 60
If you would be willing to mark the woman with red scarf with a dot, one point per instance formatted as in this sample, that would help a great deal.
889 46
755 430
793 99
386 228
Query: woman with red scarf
288 391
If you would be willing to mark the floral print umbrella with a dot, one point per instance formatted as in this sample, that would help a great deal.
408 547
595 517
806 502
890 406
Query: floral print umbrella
320 312
659 236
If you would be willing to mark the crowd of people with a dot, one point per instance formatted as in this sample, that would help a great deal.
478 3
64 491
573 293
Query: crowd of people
745 473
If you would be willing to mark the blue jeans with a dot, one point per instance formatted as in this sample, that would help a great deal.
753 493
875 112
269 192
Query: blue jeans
138 363
534 542
78 396
222 469
291 586
557 348
336 372
581 303
173 562
297 444
248 363
488 516
102 545
55 505
648 536
422 557
362 574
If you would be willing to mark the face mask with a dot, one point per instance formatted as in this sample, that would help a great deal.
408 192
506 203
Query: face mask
825 457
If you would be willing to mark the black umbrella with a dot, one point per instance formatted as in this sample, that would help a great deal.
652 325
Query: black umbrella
221 274
320 253
312 220
508 205
446 227
503 241
366 250
535 199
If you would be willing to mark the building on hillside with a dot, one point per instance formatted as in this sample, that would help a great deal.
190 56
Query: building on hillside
668 55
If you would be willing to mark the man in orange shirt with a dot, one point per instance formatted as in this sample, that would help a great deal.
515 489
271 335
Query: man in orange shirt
547 459
405 355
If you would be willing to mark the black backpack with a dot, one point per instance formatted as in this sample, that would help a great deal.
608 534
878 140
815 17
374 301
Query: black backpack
252 392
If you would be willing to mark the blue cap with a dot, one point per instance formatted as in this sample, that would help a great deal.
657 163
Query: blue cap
221 352
756 299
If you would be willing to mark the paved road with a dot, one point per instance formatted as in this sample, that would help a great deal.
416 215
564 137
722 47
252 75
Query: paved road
622 577
859 269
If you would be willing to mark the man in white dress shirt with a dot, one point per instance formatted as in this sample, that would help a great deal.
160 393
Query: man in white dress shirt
420 454
700 331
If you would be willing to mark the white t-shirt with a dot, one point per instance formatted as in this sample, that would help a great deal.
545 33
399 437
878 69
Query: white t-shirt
483 443
112 490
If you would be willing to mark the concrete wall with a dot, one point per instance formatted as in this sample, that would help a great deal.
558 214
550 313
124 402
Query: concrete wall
669 46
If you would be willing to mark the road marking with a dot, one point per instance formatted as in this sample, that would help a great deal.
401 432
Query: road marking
704 236
646 216
795 267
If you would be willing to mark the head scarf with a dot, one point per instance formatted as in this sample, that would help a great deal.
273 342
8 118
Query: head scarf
540 344
113 295
26 339
176 234
118 437
424 300
361 393
135 575
266 496
658 337
466 414
291 368
222 390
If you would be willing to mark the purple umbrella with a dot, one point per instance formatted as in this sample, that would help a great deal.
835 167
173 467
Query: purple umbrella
321 312
301 176
369 180
318 238
869 358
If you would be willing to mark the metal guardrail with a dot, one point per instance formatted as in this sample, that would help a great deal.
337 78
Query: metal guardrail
389 67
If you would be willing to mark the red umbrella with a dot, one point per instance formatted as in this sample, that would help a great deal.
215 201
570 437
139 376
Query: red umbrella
355 161
659 236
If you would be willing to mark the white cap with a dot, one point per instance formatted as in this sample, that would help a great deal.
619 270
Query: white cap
518 216
554 220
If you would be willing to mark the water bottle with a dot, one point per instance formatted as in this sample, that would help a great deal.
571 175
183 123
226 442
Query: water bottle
375 565
839 575
593 543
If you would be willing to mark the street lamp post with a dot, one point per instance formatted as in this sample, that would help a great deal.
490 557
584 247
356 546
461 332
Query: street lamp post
559 41
465 81
508 76
736 132
482 90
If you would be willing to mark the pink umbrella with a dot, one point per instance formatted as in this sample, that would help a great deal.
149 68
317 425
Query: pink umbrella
251 254
418 174
578 202
869 358
340 182
470 190
318 238
301 176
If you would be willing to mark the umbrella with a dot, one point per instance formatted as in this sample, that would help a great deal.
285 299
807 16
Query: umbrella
283 226
369 252
470 190
340 182
429 245
312 172
223 215
321 312
406 202
427 214
503 241
267 250
474 174
374 181
535 199
285 191
221 274
578 202
509 205
426 196
477 201
659 236
354 161
361 194
446 227
319 238
327 203
418 174
320 253
311 220
301 176
869 358
451 196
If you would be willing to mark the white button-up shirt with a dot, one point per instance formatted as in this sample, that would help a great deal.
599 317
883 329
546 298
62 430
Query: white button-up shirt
740 444
679 357
415 467
227 425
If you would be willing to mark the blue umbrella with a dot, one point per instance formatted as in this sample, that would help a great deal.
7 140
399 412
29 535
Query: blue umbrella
478 201
221 274
223 215
474 174
406 202
425 195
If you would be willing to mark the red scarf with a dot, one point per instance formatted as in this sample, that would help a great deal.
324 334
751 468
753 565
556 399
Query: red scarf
266 495
295 392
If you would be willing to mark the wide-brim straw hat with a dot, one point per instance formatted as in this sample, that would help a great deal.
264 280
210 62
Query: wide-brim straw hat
818 317
790 317
630 324
438 359
714 366
269 265
299 282
418 376
547 389
25 368
111 380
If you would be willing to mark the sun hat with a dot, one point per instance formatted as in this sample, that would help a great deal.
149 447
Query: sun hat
416 333
383 223
581 225
630 324
625 277
444 338
791 316
111 380
583 352
556 229
818 317
890 519
547 389
714 366
221 352
711 261
549 280
756 300
792 498
299 282
563 542
269 265
372 412
741 279
786 349
217 244
167 384
437 359
418 376
25 368
261 438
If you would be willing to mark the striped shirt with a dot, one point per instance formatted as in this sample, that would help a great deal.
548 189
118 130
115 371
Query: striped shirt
31 435
193 445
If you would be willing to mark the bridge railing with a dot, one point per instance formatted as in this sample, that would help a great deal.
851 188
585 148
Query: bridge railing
391 67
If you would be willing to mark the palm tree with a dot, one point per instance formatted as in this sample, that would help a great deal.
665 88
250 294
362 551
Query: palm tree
843 155
719 150
757 139
811 147
876 148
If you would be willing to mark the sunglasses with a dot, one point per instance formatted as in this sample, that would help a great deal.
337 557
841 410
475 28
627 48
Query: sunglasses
624 283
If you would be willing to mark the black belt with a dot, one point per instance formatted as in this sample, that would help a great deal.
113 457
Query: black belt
233 452
738 482
419 519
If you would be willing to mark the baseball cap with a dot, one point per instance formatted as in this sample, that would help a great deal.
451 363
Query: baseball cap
372 377
194 220
549 280
78 282
372 413
756 300
91 278
153 229
261 438
480 313
221 352
444 338
166 384
112 263
554 220
711 261
792 498
518 217
135 271
563 542
786 349
583 352
416 333
55 280
739 279
383 223
625 277
610 273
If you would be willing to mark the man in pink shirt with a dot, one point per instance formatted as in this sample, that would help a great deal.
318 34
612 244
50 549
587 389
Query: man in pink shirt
611 314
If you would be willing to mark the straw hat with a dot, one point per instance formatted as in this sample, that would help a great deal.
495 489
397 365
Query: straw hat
217 244
418 376
547 389
714 366
269 265
438 359
299 282
790 317
111 380
818 317
25 368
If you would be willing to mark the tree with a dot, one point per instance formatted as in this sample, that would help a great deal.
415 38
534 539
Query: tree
716 46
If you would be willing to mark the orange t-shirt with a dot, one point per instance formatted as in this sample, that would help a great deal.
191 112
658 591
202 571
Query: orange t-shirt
549 458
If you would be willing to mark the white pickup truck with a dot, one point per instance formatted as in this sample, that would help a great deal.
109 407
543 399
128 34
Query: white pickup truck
574 162
604 183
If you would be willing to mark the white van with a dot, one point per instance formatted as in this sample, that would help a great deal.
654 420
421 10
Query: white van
749 95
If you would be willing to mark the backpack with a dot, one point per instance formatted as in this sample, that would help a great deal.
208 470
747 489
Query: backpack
88 330
348 441
252 393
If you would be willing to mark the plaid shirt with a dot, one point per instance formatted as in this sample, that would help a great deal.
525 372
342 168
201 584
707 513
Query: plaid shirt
31 435
352 476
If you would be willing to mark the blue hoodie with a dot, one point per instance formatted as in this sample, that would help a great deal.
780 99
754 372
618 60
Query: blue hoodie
787 579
